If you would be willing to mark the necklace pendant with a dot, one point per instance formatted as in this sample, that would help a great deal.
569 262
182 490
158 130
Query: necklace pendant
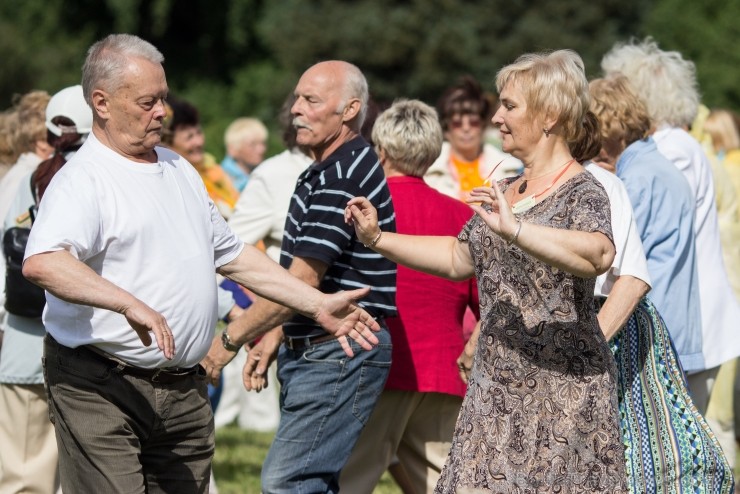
523 205
523 187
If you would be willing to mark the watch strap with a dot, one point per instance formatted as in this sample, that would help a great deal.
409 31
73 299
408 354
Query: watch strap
226 341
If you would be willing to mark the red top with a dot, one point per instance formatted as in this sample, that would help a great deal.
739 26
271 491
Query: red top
427 335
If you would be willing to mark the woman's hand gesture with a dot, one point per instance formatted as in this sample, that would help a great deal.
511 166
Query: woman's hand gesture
363 215
498 215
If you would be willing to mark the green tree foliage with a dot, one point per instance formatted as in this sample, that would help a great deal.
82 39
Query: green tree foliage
242 57
35 51
416 48
707 33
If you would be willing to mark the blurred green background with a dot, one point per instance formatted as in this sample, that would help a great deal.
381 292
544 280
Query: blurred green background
236 58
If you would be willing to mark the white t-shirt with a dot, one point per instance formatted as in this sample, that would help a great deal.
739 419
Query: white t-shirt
720 311
630 257
150 229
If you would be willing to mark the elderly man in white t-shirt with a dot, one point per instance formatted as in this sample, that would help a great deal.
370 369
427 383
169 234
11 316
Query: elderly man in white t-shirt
126 243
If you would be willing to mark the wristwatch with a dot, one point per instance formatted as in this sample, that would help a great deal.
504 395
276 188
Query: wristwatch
226 340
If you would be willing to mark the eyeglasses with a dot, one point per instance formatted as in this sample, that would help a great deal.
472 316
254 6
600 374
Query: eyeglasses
474 121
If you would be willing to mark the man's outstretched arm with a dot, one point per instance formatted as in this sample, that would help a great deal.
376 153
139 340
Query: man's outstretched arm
284 292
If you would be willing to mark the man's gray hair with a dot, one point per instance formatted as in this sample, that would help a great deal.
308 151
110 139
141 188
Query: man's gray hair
356 87
107 59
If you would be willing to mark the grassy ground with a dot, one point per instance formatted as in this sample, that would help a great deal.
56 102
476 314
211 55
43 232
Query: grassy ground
239 457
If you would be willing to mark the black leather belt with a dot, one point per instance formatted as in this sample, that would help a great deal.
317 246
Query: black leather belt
163 375
299 344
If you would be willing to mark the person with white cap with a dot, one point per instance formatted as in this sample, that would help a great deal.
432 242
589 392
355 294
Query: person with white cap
29 454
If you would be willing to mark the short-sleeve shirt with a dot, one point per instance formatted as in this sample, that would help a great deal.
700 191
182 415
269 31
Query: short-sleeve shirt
315 229
630 256
148 228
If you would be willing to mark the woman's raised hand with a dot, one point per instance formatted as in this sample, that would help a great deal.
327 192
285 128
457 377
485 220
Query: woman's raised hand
363 215
499 216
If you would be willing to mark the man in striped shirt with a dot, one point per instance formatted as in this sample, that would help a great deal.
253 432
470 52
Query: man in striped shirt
326 397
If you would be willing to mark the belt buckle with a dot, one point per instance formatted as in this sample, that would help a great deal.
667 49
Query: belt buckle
296 344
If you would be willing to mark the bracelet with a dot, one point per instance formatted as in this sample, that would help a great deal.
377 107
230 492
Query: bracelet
375 241
516 233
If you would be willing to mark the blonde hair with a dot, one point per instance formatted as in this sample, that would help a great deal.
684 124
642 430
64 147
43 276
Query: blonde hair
244 129
8 136
622 116
410 135
722 126
553 84
663 80
31 125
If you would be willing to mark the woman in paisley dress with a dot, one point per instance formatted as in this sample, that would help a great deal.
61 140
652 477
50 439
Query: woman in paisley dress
540 413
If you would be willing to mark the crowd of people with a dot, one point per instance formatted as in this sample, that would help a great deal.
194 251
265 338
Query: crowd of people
529 292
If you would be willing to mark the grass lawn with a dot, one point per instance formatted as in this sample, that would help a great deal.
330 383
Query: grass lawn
239 457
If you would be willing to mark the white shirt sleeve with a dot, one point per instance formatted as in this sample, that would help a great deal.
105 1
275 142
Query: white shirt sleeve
630 256
226 245
68 217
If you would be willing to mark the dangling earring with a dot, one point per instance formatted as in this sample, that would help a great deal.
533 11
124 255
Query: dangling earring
546 131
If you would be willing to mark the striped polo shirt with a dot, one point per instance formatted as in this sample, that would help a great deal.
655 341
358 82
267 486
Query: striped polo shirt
315 229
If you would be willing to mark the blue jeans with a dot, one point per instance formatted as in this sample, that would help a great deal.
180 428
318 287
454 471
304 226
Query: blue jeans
325 400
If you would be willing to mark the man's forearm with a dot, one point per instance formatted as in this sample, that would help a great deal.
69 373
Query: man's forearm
73 281
257 272
289 289
259 318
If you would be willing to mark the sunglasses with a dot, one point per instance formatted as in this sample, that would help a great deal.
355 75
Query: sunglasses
473 121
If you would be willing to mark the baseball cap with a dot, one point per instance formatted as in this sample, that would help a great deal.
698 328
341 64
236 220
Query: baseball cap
70 103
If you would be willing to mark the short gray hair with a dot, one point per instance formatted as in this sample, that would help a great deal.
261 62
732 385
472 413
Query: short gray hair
107 59
663 80
356 87
410 135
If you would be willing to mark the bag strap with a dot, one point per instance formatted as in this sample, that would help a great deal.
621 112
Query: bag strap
32 209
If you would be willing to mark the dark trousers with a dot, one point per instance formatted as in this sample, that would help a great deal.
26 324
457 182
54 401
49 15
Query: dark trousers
119 433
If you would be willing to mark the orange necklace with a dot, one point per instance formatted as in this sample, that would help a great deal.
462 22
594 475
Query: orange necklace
523 185
529 201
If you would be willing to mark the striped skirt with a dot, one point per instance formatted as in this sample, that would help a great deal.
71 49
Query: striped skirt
668 445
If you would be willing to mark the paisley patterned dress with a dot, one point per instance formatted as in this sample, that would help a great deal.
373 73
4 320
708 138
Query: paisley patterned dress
540 414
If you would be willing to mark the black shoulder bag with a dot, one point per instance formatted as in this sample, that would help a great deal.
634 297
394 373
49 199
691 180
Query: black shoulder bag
22 297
